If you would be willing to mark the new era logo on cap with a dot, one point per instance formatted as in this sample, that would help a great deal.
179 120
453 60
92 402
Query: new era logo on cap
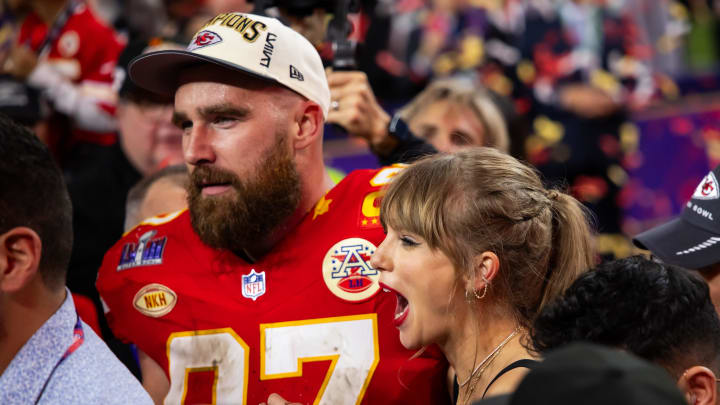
295 74
204 38
707 189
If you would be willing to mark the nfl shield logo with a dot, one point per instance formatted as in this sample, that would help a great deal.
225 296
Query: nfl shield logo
253 285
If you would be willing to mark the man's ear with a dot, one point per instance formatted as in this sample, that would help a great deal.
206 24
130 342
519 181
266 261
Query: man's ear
309 120
698 385
486 268
20 250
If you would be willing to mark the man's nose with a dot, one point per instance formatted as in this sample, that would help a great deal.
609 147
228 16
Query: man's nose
197 147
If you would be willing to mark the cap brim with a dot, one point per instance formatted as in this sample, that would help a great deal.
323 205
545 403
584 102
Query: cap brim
665 240
159 71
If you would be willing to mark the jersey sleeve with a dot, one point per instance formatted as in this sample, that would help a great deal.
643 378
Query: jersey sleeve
127 268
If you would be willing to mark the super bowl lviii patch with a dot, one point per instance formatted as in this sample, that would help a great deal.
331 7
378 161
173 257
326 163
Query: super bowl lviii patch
155 300
147 251
253 285
347 271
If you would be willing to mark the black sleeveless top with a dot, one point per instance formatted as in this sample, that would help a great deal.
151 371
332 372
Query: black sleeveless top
524 363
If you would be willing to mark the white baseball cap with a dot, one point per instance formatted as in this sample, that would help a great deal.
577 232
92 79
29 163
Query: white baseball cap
260 46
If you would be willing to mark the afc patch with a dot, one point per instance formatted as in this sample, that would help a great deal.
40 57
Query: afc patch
147 251
347 271
155 300
204 38
253 285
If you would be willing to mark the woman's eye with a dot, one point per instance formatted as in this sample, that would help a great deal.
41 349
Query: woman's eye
408 241
458 138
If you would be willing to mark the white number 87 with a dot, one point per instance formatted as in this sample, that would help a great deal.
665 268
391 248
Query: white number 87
350 342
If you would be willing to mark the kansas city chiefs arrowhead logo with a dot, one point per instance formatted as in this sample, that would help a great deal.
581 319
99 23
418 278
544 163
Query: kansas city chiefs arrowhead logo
707 189
203 39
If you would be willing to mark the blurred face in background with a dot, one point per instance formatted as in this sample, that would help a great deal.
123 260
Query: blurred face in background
448 126
162 197
148 136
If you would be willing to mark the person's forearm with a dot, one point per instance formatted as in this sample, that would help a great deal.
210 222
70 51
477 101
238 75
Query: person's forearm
68 98
402 146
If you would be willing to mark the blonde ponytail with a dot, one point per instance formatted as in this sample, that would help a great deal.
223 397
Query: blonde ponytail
572 245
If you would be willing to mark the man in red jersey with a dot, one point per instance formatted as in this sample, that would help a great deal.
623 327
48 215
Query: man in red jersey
263 286
63 50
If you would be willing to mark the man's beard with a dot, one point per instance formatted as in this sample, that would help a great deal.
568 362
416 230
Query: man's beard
243 218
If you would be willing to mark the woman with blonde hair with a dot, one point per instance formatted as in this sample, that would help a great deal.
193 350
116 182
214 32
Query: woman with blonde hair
454 113
448 115
475 247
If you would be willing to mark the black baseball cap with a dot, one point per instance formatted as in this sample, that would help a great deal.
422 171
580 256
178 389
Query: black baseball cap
691 240
589 374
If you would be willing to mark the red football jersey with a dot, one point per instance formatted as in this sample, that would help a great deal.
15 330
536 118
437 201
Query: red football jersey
307 321
84 52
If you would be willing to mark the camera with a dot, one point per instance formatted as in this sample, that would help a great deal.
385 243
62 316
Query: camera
337 31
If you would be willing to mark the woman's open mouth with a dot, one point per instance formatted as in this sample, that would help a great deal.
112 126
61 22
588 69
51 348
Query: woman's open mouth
402 307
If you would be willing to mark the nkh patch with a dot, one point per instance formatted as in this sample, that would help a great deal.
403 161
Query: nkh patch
253 285
347 271
707 189
204 38
155 300
147 251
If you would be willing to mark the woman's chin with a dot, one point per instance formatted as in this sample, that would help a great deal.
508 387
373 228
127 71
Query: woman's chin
409 343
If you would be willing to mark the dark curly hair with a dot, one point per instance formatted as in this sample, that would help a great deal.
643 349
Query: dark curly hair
33 194
659 312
